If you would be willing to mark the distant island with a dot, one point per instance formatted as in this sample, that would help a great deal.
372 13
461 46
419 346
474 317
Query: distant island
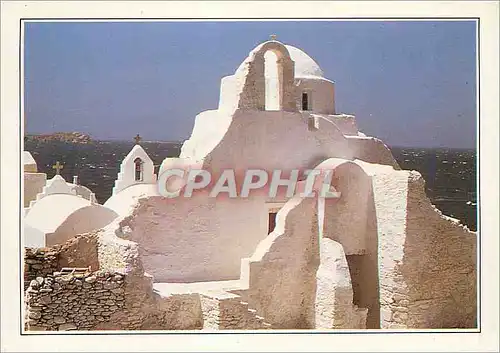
69 137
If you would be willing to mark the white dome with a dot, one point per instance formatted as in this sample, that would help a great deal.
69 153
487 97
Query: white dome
305 66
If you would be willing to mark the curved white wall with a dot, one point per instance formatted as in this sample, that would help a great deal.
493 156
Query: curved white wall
81 221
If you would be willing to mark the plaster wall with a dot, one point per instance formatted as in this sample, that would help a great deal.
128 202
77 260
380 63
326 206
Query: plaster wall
371 150
334 306
198 238
346 217
283 268
321 94
227 99
351 220
33 185
346 123
33 237
251 136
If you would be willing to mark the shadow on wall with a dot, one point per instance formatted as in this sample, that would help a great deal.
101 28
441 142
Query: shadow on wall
352 222
364 271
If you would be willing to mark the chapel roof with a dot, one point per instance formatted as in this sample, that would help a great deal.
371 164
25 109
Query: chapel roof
66 211
305 66
60 207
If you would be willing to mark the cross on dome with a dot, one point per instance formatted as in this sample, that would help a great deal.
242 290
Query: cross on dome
137 139
273 36
58 166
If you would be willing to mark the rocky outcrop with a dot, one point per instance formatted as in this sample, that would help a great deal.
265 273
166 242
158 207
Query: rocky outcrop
70 137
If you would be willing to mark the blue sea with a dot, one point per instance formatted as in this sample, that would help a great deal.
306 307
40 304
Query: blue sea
450 174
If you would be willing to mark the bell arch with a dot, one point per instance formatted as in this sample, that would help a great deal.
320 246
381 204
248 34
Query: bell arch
253 95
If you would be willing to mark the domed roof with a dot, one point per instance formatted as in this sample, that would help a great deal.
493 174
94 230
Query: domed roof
63 215
48 213
305 66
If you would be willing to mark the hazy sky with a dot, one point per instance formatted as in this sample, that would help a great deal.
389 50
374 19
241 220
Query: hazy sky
408 83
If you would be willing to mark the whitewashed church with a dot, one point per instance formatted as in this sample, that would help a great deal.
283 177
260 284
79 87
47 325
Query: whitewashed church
380 256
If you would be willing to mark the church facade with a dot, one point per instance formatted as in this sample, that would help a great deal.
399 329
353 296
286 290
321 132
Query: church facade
379 256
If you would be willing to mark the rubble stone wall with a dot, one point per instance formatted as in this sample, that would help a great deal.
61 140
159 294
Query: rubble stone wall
80 251
74 301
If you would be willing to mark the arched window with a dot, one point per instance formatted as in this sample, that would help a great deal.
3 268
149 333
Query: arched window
138 163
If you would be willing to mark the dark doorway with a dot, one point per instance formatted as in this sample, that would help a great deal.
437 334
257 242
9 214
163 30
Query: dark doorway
272 222
305 101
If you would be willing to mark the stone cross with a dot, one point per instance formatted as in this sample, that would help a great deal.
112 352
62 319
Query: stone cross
58 166
137 139
273 36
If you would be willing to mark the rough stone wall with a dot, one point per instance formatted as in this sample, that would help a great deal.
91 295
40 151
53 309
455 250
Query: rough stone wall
438 265
227 312
73 301
427 262
80 251
252 94
39 263
334 304
143 309
119 296
179 312
283 268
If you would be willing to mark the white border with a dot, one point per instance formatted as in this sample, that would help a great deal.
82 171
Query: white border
488 12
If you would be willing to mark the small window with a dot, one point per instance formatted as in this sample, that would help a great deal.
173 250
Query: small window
138 169
271 222
305 101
